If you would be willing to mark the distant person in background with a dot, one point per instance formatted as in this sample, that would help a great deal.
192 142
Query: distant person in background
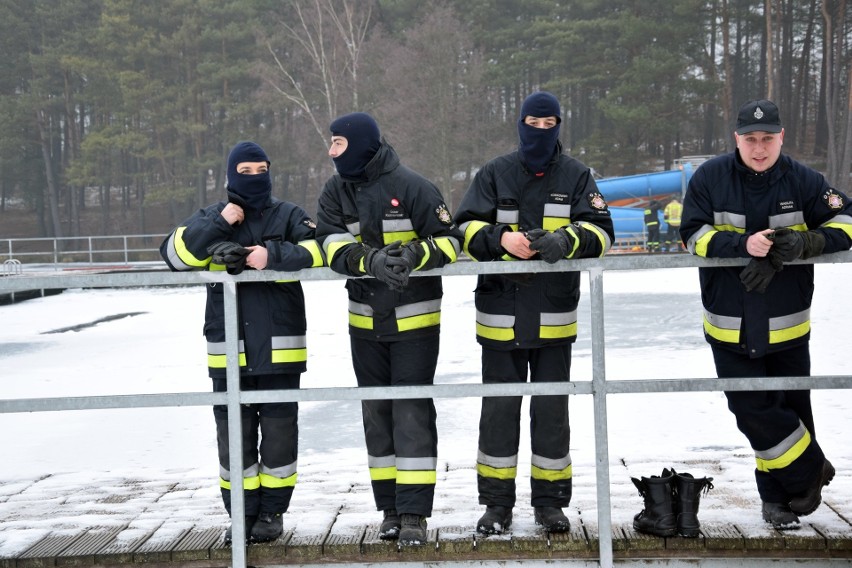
253 230
535 203
671 215
761 204
379 218
652 226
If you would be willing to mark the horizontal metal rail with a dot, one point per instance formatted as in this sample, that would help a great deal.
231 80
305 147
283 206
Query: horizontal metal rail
598 387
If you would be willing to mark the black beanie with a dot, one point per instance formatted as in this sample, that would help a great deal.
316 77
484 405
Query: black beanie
252 191
363 141
541 104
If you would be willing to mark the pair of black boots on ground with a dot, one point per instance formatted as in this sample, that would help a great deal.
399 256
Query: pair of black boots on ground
671 503
408 529
263 528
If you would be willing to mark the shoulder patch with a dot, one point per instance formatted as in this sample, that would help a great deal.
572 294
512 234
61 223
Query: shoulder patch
443 214
309 223
834 199
597 201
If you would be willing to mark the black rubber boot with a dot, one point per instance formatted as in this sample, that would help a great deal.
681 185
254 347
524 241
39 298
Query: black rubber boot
268 526
496 520
658 517
780 516
552 519
688 491
412 530
229 534
389 529
809 500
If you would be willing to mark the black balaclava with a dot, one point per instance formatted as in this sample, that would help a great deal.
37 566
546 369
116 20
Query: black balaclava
538 144
363 138
251 191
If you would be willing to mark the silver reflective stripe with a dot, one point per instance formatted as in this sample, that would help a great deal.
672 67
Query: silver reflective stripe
289 342
251 471
558 318
360 309
790 219
789 320
344 238
784 446
598 231
494 320
418 308
397 225
557 210
508 217
416 464
729 219
280 472
216 348
354 228
548 463
381 461
723 322
838 219
492 461
453 241
173 255
697 235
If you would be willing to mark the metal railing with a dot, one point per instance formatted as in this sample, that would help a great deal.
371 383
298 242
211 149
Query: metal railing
598 387
61 251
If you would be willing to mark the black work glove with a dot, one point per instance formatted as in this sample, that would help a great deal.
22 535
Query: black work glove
421 255
232 255
381 264
759 272
556 245
789 244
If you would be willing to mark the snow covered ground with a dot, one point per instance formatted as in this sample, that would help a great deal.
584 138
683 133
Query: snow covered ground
61 470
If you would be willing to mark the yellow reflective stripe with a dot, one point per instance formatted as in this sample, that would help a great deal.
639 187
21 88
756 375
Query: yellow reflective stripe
267 480
403 236
289 355
845 227
414 477
313 247
702 243
782 335
606 243
213 267
495 333
333 248
553 223
249 483
359 321
722 334
446 246
557 331
221 361
418 322
427 253
183 253
382 473
496 472
470 229
551 474
787 457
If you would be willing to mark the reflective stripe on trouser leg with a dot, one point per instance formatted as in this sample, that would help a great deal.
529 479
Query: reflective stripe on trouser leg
279 430
774 422
550 476
251 481
401 435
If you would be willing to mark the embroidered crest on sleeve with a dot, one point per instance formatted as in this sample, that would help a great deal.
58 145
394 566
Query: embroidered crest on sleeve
834 199
444 214
597 201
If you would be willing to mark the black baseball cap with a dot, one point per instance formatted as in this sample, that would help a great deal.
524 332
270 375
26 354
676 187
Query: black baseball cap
759 115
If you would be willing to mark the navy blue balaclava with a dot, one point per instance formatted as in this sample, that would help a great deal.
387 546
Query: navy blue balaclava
251 191
363 138
538 144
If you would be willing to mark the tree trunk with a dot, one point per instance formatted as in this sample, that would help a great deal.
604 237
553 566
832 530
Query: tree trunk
52 190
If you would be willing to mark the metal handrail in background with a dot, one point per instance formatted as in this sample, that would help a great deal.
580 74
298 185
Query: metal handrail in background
598 387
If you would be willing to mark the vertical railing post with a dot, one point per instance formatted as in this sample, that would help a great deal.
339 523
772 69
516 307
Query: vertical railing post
126 256
55 254
599 402
235 430
91 254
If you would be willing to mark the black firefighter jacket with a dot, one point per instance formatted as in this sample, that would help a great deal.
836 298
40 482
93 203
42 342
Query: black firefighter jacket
272 321
527 311
392 204
726 203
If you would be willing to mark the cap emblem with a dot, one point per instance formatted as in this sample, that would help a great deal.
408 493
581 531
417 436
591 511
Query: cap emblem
758 114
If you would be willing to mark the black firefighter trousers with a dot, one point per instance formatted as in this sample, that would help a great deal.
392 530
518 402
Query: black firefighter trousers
770 418
401 435
269 481
499 428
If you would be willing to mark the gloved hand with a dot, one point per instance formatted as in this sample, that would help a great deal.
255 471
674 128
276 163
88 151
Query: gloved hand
759 272
381 264
556 245
232 255
416 251
789 244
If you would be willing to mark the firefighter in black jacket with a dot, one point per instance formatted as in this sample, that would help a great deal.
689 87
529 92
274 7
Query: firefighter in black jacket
534 203
759 203
379 218
252 229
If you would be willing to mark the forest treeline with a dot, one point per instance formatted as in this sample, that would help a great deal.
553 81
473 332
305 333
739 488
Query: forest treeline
123 111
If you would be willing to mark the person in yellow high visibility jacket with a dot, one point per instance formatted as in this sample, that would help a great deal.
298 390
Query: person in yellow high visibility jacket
671 215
